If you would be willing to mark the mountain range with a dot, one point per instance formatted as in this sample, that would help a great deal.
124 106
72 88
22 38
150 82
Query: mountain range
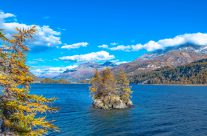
193 73
84 71
170 58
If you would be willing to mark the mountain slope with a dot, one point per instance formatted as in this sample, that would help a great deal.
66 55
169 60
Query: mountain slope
172 59
193 73
84 71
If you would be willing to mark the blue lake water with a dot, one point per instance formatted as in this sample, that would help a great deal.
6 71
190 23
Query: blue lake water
158 111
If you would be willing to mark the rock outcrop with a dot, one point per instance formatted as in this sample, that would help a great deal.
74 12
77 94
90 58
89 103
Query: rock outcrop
7 134
111 102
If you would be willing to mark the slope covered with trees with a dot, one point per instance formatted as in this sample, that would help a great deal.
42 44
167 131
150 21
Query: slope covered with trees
110 93
193 73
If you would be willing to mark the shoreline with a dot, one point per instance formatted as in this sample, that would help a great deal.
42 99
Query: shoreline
173 84
135 84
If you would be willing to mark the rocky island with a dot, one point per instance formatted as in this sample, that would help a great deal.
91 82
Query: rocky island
109 92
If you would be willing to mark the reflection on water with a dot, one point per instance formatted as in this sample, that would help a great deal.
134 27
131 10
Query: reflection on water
158 110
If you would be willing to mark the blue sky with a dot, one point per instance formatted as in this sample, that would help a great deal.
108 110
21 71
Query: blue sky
76 31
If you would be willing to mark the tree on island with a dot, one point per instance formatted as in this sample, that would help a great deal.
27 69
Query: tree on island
123 87
110 93
96 86
109 83
20 112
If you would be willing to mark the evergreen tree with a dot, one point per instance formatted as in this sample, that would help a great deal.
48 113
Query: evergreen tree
123 87
19 110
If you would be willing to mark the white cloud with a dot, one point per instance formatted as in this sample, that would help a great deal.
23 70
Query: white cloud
121 48
45 35
104 46
93 56
75 45
136 47
194 38
5 15
50 71
121 62
152 45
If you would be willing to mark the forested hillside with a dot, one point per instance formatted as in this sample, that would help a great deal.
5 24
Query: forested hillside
193 73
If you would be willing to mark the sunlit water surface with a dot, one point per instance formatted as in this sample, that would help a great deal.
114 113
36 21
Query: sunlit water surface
157 111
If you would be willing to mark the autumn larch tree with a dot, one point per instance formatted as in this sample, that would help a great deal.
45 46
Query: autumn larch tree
123 88
109 82
109 93
19 110
96 85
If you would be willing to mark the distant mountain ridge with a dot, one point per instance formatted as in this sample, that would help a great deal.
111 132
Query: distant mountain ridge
84 71
170 58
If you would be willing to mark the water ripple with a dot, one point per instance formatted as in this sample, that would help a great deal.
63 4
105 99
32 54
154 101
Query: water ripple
158 111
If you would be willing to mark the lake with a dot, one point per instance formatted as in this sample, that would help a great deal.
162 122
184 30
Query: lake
157 111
